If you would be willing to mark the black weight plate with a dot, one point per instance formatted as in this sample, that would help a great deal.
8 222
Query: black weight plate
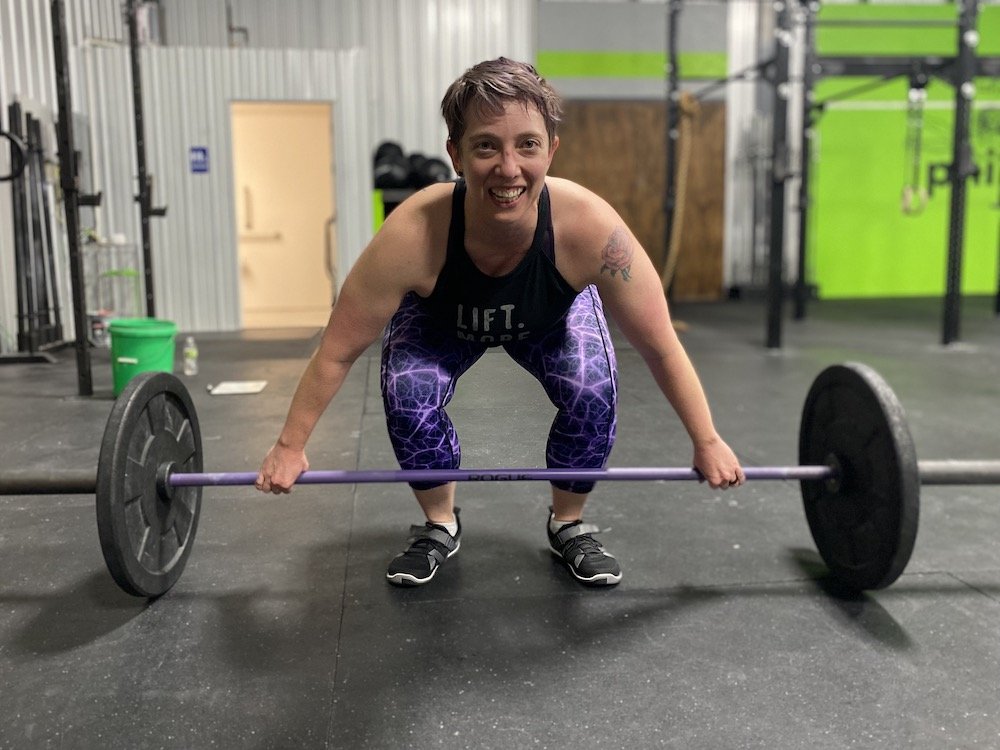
864 523
146 536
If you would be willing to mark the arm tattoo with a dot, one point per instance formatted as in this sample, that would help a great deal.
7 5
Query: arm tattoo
617 254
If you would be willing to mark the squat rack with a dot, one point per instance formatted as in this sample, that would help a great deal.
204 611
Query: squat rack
73 199
960 71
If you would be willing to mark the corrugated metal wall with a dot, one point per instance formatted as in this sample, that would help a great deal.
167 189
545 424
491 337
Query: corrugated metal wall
396 57
26 72
187 93
26 42
432 42
275 24
416 47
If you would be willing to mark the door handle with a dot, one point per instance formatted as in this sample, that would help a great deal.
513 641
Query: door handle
247 208
331 266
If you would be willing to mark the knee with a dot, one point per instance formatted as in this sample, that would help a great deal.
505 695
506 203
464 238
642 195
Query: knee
586 391
409 396
590 404
420 431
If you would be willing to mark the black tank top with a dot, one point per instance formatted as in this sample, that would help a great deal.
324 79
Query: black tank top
493 310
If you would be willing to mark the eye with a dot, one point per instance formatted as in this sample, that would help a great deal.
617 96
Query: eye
531 144
482 146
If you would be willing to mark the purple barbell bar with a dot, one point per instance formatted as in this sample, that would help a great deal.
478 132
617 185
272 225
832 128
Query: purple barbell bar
499 475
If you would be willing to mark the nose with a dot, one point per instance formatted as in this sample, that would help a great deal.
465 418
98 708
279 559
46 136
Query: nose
508 166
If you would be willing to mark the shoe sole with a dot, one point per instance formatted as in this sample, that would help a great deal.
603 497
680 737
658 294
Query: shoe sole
405 579
601 579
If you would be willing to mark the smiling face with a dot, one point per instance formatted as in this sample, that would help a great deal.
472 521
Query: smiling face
504 160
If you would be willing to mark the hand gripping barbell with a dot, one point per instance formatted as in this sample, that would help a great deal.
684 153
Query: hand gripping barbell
859 476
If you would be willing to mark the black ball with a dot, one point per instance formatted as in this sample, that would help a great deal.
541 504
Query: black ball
392 172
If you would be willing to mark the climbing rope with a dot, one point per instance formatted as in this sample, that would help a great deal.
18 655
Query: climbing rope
689 109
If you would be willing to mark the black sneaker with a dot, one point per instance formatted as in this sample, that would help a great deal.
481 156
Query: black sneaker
429 546
585 557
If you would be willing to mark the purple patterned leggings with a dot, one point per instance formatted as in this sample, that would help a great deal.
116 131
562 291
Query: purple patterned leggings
574 361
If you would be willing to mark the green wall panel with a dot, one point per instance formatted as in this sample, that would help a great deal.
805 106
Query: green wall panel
862 244
602 64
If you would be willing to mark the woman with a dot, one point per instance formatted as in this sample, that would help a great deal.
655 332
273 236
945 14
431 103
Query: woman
507 256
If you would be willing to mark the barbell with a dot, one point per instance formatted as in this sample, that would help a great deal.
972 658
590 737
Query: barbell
859 476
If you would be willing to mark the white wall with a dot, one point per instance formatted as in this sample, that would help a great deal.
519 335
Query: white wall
187 93
416 47
384 63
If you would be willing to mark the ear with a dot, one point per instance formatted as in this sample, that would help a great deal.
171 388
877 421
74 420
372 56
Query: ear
456 156
553 148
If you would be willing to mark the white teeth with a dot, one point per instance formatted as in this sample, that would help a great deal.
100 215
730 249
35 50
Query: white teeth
507 195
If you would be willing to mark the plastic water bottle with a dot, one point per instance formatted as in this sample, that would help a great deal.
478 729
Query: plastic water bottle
190 356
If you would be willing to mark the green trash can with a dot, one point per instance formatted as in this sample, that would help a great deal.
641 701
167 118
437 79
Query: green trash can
140 345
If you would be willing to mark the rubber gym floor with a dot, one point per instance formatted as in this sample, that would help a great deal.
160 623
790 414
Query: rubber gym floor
724 633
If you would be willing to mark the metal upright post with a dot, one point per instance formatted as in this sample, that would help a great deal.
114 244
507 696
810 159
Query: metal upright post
19 210
996 299
961 165
673 119
144 198
40 247
805 150
779 174
67 181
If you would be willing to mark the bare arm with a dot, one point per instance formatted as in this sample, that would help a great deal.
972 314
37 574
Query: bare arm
362 311
636 301
608 255
397 261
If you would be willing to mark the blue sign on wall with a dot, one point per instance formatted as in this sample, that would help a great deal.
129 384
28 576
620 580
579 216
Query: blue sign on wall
199 159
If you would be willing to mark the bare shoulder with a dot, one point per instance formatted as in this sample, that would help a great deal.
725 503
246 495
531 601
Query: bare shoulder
411 243
580 215
420 216
590 234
